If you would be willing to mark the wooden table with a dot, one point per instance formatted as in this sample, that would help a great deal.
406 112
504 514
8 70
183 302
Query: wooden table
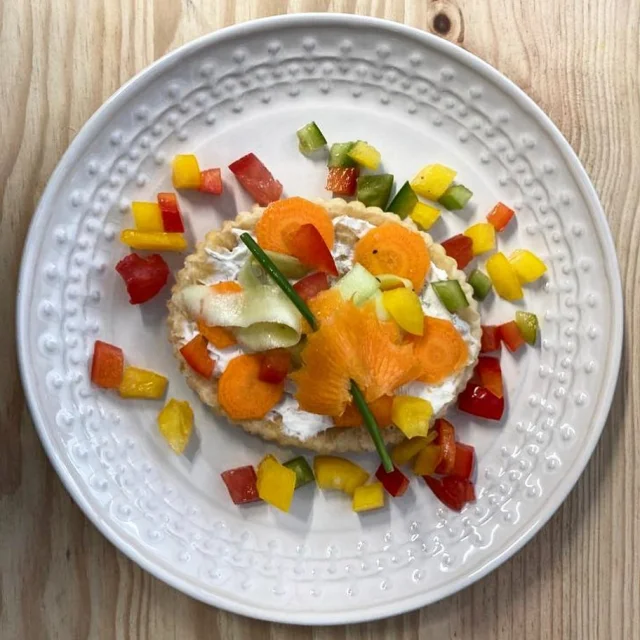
580 576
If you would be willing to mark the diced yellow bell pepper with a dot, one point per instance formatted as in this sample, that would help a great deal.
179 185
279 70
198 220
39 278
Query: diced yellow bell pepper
408 449
186 172
176 423
412 415
527 265
390 281
368 497
427 460
276 483
503 277
147 216
433 180
140 383
424 215
404 307
153 241
365 155
483 236
337 473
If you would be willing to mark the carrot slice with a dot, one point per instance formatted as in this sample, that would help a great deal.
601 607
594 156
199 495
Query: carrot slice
220 337
440 352
381 409
241 393
281 220
392 248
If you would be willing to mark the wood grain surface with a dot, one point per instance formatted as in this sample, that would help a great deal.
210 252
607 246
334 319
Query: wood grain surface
580 576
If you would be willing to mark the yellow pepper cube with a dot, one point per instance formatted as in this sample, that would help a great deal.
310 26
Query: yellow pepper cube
432 181
365 155
527 265
175 422
147 216
412 415
483 236
332 472
504 277
409 449
153 240
276 483
368 497
186 172
427 461
424 215
140 383
404 307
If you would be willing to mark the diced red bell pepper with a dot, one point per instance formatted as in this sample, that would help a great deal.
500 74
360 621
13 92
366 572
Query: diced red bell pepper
342 181
107 365
310 286
463 465
460 248
308 245
211 181
490 340
394 482
171 218
256 179
143 277
511 336
452 492
490 374
479 401
500 216
242 484
446 440
197 356
274 366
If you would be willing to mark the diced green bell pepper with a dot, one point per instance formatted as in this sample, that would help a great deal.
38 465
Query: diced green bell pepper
310 138
528 325
404 201
481 284
304 474
455 197
374 191
451 295
339 155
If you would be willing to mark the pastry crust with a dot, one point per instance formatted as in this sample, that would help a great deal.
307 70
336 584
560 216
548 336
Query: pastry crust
198 267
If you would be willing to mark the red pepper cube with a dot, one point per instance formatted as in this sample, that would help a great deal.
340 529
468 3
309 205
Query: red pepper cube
107 365
342 181
211 181
310 286
460 248
242 485
490 374
511 336
490 340
197 356
143 277
500 216
446 440
171 218
452 492
479 401
394 482
274 366
309 247
256 179
463 466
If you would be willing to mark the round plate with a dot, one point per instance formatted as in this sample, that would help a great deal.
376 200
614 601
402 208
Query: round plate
248 88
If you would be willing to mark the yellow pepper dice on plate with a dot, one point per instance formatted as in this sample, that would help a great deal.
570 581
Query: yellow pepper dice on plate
276 483
365 155
483 236
432 181
411 415
409 449
424 215
186 172
368 497
504 277
153 241
427 461
404 307
527 265
175 422
337 473
147 216
140 383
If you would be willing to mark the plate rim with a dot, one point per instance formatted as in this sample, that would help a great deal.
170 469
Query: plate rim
575 167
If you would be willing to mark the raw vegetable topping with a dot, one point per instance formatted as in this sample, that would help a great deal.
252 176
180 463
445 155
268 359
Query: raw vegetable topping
310 138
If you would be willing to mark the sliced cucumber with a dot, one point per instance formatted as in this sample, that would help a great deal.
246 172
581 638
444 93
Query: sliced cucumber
253 274
358 285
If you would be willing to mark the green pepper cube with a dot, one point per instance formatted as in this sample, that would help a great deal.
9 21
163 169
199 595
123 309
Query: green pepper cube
451 295
339 155
480 283
374 191
310 138
304 474
455 197
528 325
404 201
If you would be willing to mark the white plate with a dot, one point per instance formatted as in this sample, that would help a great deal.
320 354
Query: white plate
248 88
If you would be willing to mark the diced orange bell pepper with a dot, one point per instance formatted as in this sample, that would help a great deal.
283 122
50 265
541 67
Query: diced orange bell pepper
197 356
219 337
333 472
368 497
211 181
503 277
276 483
153 241
107 365
410 448
186 172
140 383
527 265
175 422
432 181
483 236
147 216
404 307
412 415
